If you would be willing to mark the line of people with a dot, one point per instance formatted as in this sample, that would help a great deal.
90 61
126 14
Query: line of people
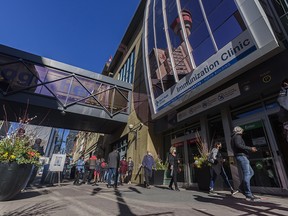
91 171
94 170
118 171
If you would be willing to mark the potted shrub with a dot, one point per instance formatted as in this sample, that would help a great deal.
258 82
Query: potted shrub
159 174
17 158
202 165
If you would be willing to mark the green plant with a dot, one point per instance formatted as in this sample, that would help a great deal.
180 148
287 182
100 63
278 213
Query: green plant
17 146
201 160
160 165
19 150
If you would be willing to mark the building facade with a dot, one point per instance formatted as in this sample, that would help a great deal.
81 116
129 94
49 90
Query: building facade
205 67
232 57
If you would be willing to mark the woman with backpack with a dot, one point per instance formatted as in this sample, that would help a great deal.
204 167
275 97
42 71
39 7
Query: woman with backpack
216 159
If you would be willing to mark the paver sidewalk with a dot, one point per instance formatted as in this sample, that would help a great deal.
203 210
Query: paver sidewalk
135 200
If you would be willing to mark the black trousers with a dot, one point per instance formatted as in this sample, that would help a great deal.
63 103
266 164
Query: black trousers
147 175
90 174
174 179
78 176
129 175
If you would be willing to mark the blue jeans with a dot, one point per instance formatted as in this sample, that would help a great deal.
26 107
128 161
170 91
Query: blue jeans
247 173
214 177
111 172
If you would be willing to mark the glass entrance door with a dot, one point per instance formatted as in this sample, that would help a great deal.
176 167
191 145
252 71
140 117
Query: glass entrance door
262 161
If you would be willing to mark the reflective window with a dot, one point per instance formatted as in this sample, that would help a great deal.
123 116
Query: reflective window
179 48
281 8
205 25
199 38
224 20
126 73
164 71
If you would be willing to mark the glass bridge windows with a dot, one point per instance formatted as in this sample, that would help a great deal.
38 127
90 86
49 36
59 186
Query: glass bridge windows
17 75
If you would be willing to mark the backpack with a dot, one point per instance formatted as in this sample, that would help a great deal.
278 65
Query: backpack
103 165
211 159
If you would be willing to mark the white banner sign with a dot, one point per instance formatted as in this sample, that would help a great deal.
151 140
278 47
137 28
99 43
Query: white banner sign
57 162
214 100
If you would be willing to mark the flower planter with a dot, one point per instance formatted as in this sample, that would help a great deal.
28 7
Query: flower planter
167 177
13 179
203 178
157 177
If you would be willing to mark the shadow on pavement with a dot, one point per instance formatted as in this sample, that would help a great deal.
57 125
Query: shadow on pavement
162 213
162 187
26 195
134 189
240 204
96 191
43 208
125 210
123 207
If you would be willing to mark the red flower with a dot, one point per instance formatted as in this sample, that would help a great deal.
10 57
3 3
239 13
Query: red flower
31 154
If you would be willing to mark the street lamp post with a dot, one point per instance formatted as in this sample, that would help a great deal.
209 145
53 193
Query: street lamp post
135 130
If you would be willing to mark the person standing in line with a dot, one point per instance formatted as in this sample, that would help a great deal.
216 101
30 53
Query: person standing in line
37 146
241 153
123 170
216 159
92 167
173 166
86 171
79 170
34 171
130 169
97 171
103 174
148 163
113 164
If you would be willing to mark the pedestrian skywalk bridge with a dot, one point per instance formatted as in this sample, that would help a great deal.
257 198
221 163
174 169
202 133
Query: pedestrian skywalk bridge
61 95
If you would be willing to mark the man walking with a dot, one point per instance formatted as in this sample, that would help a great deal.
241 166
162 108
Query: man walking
113 164
148 163
241 153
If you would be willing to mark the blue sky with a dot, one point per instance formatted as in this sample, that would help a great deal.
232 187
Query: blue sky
83 33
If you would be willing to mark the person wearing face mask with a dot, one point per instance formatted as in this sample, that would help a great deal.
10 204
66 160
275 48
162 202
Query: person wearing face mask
148 163
130 169
216 159
241 152
173 166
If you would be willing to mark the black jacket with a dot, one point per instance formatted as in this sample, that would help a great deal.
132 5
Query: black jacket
238 145
173 160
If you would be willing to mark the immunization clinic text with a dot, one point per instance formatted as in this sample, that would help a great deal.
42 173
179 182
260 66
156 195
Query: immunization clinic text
225 56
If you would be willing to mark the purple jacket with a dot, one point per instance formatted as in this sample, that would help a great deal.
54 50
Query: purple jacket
148 162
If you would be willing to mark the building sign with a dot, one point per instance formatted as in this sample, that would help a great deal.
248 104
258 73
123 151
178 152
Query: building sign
214 100
230 54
